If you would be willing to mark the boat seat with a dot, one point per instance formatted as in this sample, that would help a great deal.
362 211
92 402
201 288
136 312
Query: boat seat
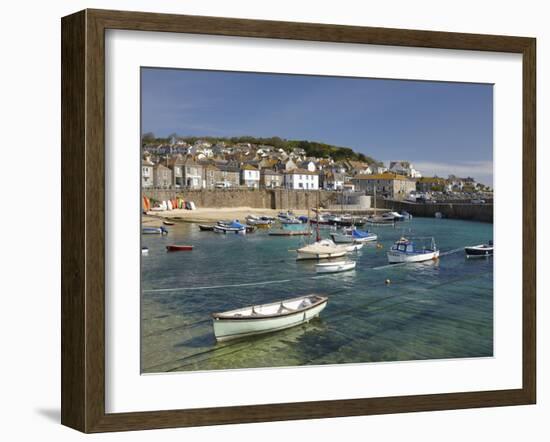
304 304
283 308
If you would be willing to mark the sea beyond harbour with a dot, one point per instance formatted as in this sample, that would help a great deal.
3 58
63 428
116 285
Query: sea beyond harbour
433 310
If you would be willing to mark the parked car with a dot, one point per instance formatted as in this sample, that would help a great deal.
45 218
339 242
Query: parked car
222 185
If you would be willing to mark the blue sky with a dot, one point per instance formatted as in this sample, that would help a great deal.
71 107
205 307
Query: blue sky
440 127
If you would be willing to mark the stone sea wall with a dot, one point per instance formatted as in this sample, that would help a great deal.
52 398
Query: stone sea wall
468 211
279 199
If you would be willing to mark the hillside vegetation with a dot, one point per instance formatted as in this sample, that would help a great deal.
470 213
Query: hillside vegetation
312 148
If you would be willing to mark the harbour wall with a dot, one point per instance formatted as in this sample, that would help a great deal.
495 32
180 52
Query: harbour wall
468 211
279 199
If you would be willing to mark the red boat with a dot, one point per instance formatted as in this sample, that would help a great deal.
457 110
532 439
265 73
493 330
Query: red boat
176 248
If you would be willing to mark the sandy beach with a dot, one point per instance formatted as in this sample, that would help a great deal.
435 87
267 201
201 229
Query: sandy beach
208 215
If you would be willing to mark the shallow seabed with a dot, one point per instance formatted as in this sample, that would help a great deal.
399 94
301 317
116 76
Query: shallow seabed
434 310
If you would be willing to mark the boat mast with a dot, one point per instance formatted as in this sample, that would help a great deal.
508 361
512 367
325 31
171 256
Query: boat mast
318 237
374 199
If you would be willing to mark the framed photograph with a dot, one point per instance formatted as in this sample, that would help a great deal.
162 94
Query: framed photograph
267 220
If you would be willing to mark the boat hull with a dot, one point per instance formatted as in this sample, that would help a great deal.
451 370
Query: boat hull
176 248
338 238
478 252
235 230
321 255
154 231
227 329
205 228
335 267
366 239
289 233
354 247
399 257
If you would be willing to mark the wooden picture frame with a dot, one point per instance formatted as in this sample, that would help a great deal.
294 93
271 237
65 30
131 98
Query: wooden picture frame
83 220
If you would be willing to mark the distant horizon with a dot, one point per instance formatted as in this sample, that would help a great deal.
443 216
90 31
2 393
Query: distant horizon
441 128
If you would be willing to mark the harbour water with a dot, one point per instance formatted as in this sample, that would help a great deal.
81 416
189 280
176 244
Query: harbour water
434 310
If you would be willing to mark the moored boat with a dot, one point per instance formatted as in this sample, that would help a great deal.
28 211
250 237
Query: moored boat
335 266
288 232
379 221
168 223
322 249
154 231
479 251
206 228
144 251
353 236
407 250
392 216
230 227
178 248
256 221
266 318
354 247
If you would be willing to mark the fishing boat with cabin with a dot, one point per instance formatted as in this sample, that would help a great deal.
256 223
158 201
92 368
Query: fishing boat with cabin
413 250
267 318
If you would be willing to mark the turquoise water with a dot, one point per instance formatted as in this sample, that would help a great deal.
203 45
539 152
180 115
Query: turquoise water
433 310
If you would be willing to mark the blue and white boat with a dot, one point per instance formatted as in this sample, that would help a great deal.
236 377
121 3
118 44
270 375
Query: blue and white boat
230 227
412 250
353 236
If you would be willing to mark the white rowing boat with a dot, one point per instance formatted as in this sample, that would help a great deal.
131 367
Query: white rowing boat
335 266
266 318
354 247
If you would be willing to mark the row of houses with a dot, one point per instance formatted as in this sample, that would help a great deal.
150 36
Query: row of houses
188 173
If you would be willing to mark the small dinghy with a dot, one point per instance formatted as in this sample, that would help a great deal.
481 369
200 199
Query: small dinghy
205 228
154 231
288 232
353 236
480 250
266 318
261 222
178 248
230 227
335 267
380 221
354 247
408 250
168 223
144 251
392 216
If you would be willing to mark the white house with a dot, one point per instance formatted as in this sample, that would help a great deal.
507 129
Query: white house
301 179
250 176
404 168
308 165
147 173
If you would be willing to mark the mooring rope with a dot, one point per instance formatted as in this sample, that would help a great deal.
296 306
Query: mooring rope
280 281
